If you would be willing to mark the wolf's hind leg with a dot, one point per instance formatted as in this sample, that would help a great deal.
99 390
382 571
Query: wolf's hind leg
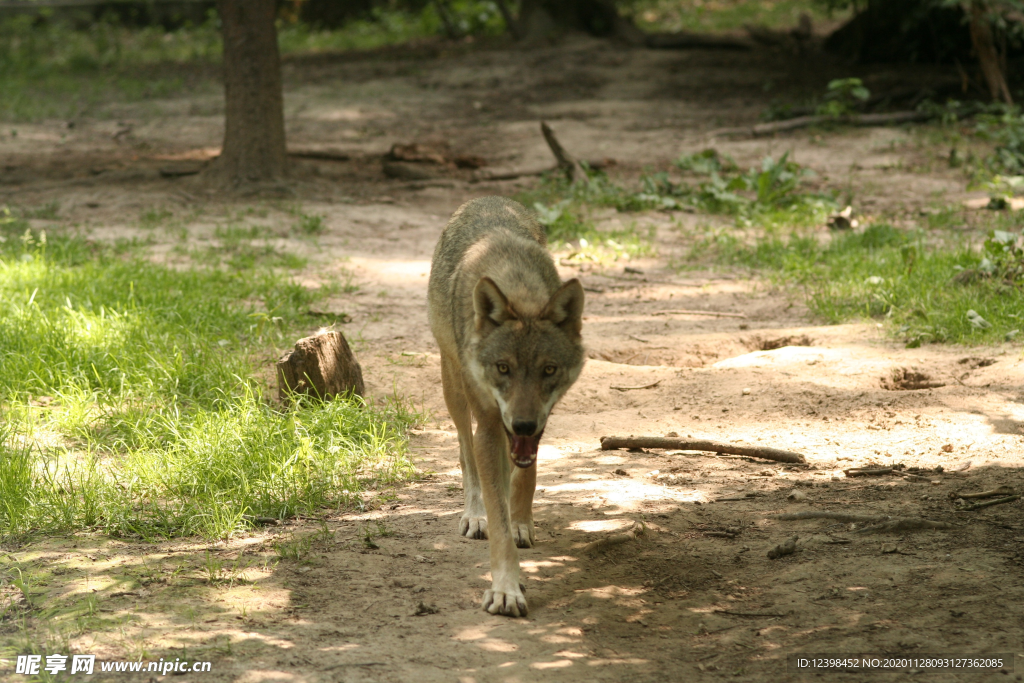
524 483
473 523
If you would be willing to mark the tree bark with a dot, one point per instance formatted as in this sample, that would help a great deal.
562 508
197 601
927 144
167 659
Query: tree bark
254 142
322 367
988 56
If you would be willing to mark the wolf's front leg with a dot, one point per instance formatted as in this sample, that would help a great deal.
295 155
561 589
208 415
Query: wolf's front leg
473 523
524 484
490 446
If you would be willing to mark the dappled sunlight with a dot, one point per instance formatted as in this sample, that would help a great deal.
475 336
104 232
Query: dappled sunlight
557 664
627 494
611 592
596 525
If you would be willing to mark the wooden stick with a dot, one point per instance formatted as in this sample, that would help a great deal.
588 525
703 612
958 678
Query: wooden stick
567 162
867 471
1001 491
712 314
611 443
484 174
988 503
613 540
772 127
747 614
644 386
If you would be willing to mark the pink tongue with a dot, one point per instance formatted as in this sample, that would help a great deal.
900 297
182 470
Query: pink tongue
524 450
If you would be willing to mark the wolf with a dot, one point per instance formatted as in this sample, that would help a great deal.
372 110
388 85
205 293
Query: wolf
509 332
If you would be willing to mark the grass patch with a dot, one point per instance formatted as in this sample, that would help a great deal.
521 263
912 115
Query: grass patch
926 292
128 404
771 194
725 15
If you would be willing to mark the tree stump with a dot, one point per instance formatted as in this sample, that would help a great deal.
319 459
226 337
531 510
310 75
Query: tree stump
321 366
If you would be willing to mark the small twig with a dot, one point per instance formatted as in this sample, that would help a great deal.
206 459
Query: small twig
867 471
643 386
610 443
567 162
643 341
745 496
747 614
720 534
988 503
711 314
613 540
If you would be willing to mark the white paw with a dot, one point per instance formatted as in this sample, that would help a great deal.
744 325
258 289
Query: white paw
523 534
510 603
473 527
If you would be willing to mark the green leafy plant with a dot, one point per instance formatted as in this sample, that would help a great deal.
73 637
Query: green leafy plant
842 97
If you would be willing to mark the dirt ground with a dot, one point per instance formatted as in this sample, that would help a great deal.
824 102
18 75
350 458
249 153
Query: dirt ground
695 596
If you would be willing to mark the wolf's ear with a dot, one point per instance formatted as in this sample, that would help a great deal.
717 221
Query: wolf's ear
490 305
565 308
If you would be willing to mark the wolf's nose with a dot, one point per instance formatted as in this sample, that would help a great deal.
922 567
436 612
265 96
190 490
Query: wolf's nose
524 427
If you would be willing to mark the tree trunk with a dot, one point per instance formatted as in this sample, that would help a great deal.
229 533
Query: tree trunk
988 56
254 143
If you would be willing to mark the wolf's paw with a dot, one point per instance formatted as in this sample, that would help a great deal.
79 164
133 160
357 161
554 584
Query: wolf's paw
510 603
473 527
523 534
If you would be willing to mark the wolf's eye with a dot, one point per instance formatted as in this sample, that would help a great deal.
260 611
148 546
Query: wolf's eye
549 369
503 368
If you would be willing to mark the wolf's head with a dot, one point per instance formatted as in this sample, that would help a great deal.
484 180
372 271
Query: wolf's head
526 360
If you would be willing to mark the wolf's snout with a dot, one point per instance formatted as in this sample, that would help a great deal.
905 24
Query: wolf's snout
524 427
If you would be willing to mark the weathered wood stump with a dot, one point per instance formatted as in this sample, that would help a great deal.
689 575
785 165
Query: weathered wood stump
321 366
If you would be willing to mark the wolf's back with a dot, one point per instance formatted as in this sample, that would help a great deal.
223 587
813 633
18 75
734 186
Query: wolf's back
491 237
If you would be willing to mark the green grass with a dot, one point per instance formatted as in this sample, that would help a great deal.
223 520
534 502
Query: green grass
916 285
128 401
51 69
724 15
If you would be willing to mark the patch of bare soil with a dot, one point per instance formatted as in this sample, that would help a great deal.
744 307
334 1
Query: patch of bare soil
393 594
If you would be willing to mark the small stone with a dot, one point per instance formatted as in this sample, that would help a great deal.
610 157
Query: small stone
746 391
889 548
797 496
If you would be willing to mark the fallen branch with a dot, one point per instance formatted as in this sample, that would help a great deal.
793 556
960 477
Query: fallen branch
613 540
877 523
567 162
746 614
1001 491
867 471
745 496
611 443
988 503
643 386
510 173
711 314
772 127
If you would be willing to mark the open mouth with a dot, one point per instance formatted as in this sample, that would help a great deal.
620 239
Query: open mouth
524 449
